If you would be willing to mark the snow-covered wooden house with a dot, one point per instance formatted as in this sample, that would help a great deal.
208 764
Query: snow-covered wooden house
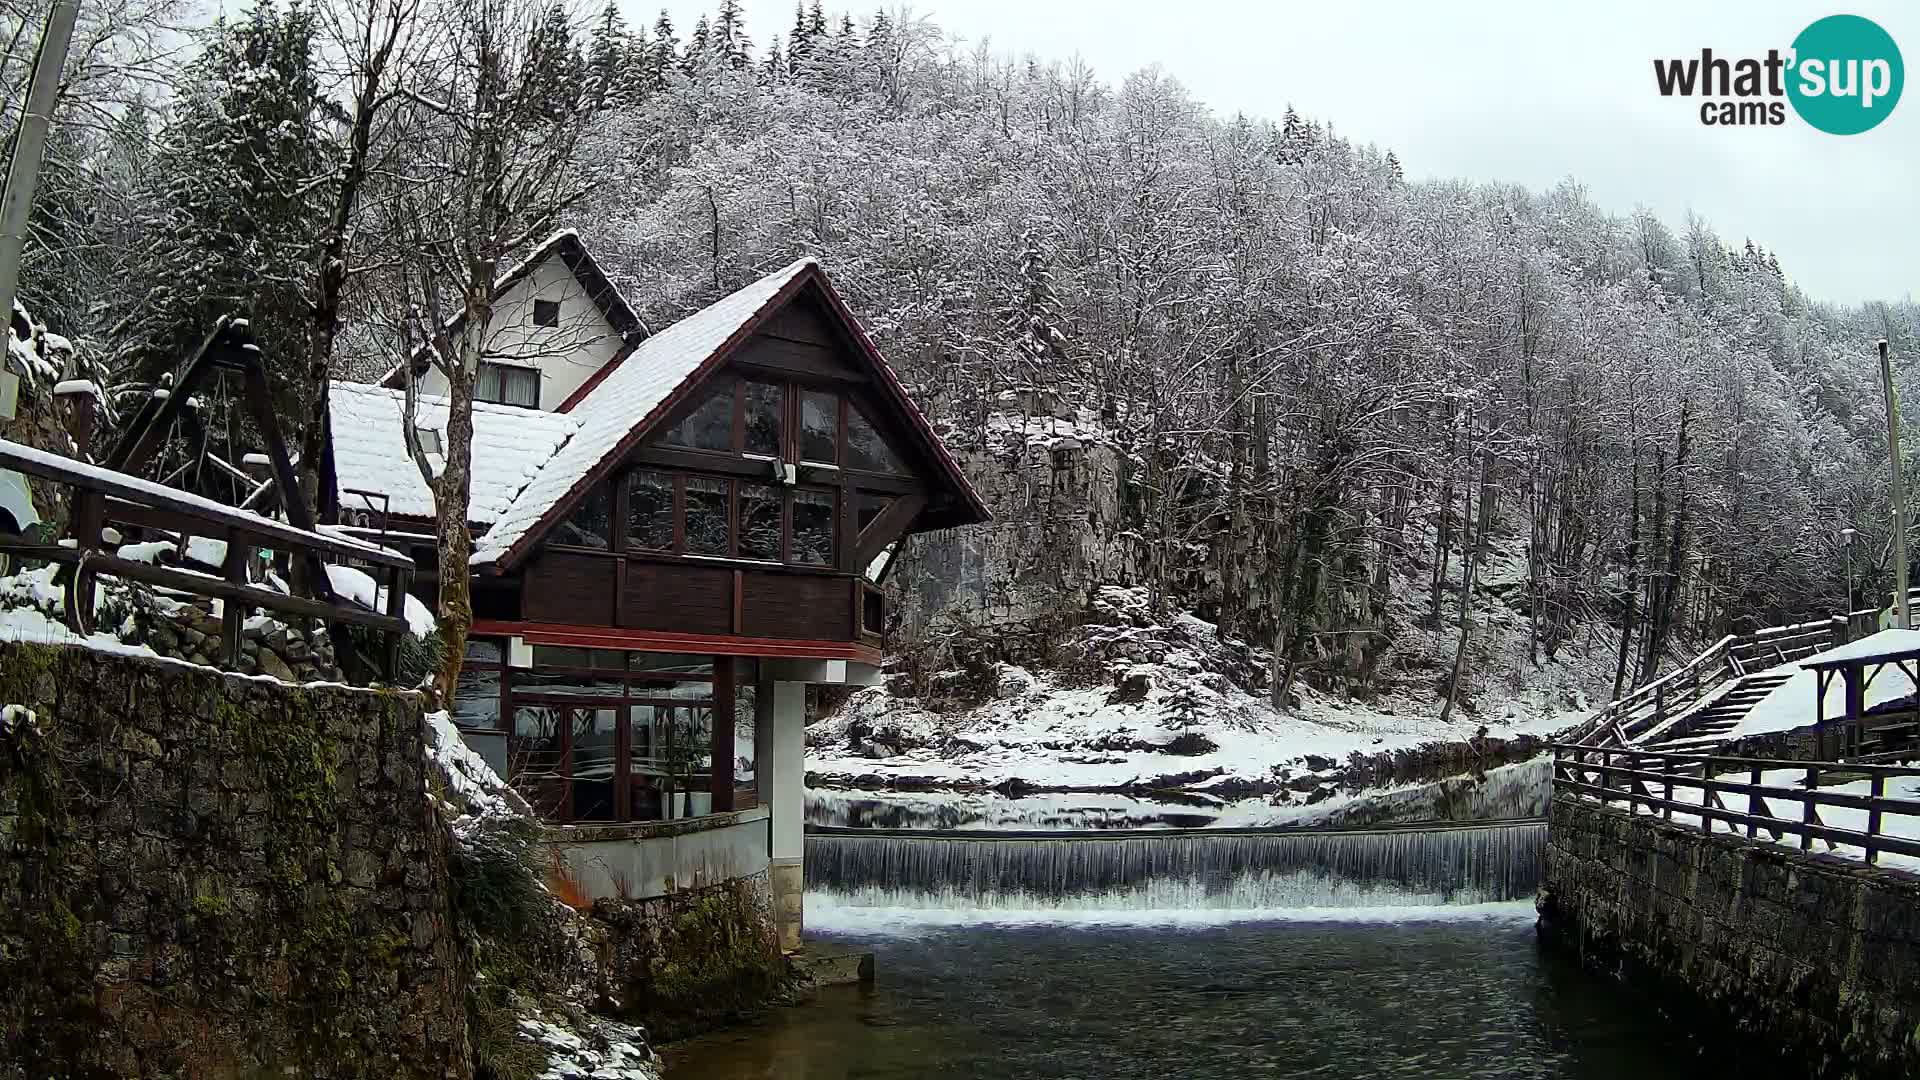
676 532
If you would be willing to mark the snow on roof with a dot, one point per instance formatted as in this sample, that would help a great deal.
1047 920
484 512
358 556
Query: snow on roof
625 400
370 452
1793 703
1884 643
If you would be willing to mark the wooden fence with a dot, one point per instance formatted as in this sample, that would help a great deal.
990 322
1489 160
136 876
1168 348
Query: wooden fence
1651 779
101 496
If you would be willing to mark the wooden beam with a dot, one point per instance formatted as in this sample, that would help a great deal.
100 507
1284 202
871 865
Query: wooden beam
156 414
192 506
270 534
720 774
886 527
592 637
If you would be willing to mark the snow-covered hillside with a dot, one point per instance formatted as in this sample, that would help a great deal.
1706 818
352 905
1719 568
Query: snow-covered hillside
1147 706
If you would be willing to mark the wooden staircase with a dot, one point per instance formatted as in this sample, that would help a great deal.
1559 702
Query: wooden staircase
1708 724
1708 696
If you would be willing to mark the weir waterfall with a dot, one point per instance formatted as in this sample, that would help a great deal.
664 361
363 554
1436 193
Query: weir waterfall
1451 863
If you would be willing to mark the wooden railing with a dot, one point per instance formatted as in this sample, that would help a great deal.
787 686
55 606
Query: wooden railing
1651 706
102 496
1650 779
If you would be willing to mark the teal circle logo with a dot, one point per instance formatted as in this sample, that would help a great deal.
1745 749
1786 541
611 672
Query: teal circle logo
1847 75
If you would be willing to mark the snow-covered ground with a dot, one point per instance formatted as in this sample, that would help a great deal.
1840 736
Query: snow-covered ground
1147 700
1040 735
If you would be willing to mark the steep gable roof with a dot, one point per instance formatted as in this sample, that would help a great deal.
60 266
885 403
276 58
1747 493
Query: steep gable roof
566 246
632 393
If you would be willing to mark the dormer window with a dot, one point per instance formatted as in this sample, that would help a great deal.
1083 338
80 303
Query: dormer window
546 313
503 384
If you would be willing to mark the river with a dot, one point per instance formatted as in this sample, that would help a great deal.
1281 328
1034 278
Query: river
1451 992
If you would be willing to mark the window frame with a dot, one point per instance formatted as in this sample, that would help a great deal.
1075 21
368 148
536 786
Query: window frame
617 489
516 369
793 390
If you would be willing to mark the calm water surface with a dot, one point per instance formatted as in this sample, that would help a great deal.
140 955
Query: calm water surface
1467 997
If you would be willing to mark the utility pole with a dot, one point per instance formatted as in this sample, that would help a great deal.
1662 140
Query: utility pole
29 140
1901 617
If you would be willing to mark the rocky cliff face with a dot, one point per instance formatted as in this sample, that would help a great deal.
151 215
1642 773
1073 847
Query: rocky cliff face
1056 484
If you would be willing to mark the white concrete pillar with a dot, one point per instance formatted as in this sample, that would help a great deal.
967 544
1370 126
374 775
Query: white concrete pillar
787 872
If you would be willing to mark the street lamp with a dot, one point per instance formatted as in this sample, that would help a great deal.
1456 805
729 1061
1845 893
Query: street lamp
1846 537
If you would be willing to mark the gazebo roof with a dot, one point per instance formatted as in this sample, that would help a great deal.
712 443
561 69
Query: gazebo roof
1884 647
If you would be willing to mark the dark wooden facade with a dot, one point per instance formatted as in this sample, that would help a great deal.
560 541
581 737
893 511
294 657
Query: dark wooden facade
752 512
747 518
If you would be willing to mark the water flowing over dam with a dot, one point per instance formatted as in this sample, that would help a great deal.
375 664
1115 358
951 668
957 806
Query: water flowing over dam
1451 863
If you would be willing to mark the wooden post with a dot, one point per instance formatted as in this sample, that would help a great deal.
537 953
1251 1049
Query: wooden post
1666 788
232 613
720 776
1903 618
1808 814
397 582
1753 800
89 517
1878 792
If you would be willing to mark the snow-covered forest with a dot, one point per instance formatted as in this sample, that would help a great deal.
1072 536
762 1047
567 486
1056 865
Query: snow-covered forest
1244 366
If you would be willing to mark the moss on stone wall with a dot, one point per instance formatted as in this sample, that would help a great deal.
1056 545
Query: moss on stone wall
695 959
205 875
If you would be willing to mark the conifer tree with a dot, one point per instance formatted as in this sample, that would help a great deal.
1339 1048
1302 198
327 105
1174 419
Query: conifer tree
607 57
773 68
729 34
554 73
798 40
697 45
234 223
665 49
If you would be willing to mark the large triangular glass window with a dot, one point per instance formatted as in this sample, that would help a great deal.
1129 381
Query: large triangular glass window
867 450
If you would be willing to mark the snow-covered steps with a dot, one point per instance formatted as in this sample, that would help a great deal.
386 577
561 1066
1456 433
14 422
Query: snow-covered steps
1715 719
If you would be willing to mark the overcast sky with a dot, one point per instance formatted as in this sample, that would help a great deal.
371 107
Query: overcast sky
1521 91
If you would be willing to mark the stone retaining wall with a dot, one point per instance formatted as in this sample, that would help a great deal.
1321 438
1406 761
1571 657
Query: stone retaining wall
1807 957
205 875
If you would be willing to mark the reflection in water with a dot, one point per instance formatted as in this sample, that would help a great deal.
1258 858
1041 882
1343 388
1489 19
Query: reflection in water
1510 791
1336 1001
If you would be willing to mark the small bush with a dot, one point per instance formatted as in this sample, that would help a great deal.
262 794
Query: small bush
493 1033
1191 744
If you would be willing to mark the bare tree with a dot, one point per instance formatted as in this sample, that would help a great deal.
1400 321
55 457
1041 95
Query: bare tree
371 43
494 168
